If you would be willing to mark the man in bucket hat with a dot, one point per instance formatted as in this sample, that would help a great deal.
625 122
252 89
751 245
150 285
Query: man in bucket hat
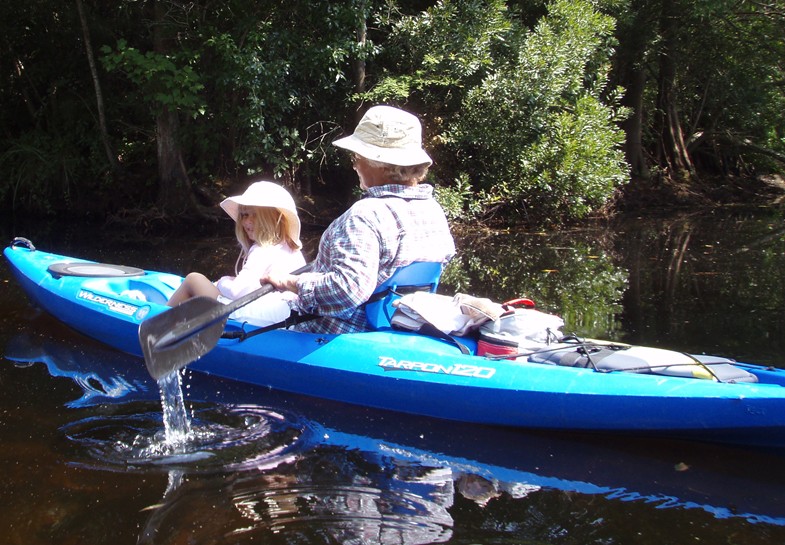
397 223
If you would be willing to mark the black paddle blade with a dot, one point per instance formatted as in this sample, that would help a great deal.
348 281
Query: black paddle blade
174 338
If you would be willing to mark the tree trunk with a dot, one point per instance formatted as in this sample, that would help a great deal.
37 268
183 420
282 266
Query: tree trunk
99 98
633 125
174 190
637 34
359 63
672 148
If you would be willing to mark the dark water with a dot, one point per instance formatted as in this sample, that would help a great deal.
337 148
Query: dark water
278 468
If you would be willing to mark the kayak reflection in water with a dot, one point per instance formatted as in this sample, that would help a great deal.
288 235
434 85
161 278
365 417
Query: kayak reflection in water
327 495
350 472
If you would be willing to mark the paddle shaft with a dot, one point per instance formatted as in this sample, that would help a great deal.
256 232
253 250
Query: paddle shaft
174 338
204 320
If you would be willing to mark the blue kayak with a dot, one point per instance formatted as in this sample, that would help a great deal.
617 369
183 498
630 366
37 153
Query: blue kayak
422 375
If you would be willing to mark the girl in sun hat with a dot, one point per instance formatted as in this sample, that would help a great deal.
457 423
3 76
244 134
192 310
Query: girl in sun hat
398 222
268 230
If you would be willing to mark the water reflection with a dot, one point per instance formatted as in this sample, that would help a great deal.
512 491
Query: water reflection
328 495
102 376
578 278
325 472
708 283
701 283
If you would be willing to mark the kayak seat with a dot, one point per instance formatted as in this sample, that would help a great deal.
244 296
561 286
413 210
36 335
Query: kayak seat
417 276
150 289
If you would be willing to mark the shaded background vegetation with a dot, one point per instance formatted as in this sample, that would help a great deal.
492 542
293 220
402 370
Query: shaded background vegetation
533 110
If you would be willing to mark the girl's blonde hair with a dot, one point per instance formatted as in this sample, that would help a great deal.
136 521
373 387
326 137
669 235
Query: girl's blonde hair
270 227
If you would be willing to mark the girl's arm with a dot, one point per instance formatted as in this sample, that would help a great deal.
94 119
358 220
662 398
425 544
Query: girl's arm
259 264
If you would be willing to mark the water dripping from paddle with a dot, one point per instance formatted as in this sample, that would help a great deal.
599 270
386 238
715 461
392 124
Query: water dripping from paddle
177 424
204 436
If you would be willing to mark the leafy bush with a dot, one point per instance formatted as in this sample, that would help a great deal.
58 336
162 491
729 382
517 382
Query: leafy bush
521 120
459 201
542 130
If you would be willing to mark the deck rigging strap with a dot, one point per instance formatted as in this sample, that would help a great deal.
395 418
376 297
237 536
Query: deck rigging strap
294 319
297 318
400 291
432 331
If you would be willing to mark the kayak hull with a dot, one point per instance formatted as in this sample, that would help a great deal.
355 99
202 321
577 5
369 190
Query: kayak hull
411 373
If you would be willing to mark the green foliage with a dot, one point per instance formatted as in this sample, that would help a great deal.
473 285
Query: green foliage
459 200
527 116
277 82
439 53
721 64
542 130
29 167
256 90
516 98
739 85
42 171
166 81
49 150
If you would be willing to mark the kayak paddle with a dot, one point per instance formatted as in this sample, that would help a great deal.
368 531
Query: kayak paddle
174 338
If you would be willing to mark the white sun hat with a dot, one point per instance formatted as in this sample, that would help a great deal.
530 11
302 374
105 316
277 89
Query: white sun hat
387 135
266 194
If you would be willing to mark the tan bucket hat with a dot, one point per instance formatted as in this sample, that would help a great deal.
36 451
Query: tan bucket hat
266 194
387 135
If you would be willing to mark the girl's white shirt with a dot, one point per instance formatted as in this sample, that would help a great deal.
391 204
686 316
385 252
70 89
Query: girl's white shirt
272 308
259 262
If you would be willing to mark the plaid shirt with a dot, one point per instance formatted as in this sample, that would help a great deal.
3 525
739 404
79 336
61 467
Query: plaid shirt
394 225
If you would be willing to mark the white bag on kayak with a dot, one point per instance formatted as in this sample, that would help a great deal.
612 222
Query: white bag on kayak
519 330
458 315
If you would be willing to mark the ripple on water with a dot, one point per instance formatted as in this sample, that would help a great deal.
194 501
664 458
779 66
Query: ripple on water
329 495
222 437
